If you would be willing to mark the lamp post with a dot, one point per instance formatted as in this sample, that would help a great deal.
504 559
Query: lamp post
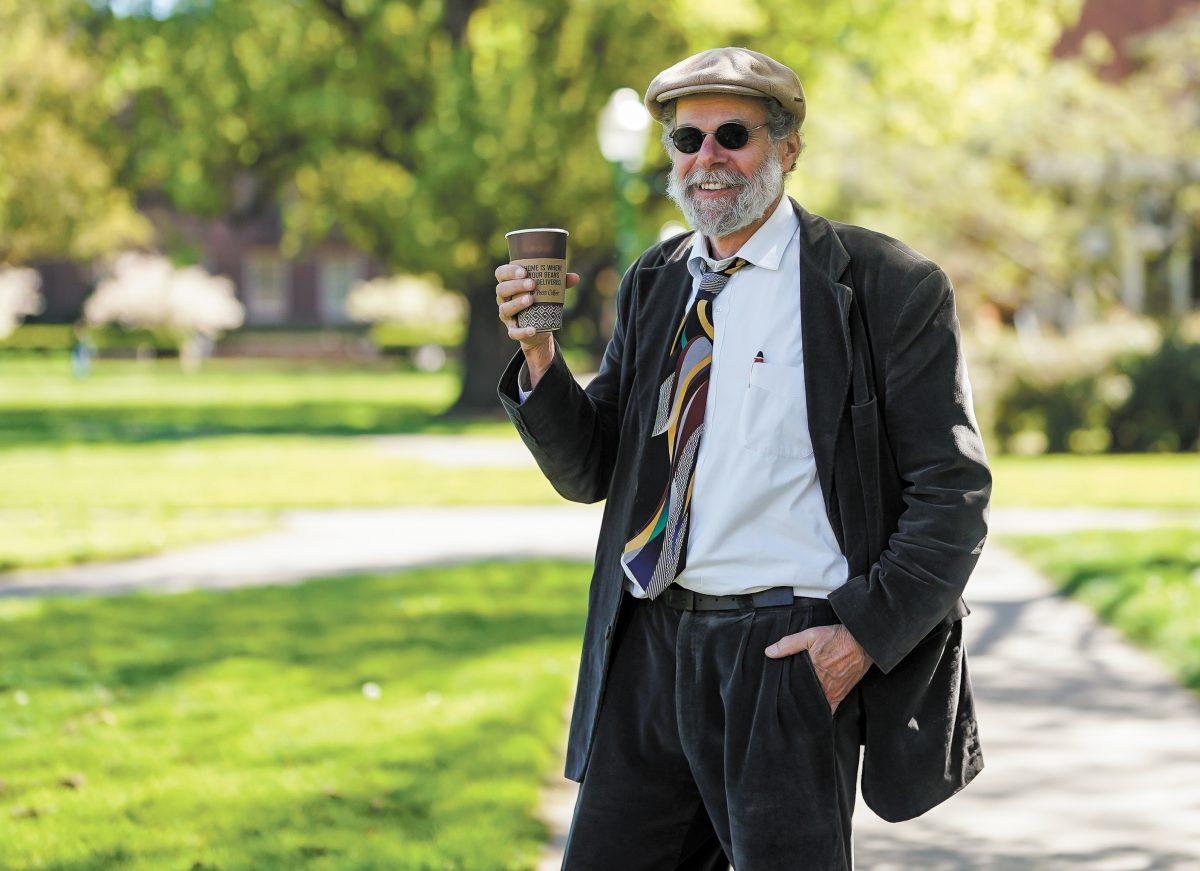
623 129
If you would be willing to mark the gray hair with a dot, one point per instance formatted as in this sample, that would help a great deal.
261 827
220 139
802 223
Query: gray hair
780 125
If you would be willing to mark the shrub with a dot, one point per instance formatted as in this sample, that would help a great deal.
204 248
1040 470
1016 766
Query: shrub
1162 412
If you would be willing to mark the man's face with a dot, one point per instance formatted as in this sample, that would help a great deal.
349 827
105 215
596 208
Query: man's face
752 175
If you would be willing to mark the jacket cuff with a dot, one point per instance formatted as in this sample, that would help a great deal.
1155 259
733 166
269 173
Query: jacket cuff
544 402
852 605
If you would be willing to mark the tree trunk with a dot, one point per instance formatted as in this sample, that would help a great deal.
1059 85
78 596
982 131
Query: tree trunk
484 352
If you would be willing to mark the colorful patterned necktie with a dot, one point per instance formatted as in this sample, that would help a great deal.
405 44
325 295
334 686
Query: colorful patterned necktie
657 553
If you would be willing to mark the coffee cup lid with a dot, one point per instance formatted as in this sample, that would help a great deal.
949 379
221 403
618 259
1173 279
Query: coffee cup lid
538 230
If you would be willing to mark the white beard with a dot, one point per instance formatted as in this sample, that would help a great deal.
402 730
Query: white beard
716 218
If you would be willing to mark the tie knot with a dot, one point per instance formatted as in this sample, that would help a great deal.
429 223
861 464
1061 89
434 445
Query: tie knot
729 269
713 281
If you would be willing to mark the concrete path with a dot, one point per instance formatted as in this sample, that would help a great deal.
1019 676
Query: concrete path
1092 752
311 544
340 541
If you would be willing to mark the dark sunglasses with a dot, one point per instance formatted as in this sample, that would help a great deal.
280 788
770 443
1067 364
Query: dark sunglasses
732 135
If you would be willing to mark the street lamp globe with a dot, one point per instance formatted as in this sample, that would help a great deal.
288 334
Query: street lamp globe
623 129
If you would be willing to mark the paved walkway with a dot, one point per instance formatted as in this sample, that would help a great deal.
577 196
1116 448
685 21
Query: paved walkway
1092 752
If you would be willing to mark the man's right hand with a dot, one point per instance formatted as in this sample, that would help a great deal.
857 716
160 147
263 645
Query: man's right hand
514 291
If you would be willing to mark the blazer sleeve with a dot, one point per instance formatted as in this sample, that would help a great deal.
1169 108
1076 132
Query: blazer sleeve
572 431
945 478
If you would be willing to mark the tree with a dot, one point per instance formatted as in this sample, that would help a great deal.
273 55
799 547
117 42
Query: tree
424 135
58 195
425 132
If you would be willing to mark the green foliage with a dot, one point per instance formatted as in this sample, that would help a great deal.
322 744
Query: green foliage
1071 414
1131 401
1143 583
423 133
59 196
426 133
54 338
957 132
1163 409
231 729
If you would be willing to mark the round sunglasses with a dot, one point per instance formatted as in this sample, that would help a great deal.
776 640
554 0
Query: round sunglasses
731 135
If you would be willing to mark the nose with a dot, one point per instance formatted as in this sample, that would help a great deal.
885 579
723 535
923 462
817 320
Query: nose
710 152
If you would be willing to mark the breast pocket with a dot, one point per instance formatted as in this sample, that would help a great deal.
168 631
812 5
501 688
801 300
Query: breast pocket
774 416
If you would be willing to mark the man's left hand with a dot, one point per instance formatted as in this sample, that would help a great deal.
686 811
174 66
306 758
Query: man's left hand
839 660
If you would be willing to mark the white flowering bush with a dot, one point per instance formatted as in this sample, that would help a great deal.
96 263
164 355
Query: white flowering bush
20 297
148 291
405 300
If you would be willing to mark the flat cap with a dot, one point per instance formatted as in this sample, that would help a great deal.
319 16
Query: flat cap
727 71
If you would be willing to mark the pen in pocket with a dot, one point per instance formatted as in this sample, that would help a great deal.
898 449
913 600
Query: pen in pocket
758 358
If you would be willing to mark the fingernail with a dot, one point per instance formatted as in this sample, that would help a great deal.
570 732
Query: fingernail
520 272
772 650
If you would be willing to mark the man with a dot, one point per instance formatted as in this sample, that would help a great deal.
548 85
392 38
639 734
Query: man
782 554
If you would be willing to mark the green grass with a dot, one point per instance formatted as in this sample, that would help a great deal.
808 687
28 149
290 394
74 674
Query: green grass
231 730
70 503
141 456
31 538
1099 481
125 400
1145 583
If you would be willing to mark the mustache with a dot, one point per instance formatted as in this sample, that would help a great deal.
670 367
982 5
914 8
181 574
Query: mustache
716 176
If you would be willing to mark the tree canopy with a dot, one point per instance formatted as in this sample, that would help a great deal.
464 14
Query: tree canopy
423 130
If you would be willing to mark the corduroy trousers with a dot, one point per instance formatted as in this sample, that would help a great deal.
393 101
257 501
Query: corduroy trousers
707 752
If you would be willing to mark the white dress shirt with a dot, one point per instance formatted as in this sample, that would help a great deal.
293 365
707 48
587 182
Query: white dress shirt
757 514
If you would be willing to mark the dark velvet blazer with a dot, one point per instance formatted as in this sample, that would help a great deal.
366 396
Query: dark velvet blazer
928 517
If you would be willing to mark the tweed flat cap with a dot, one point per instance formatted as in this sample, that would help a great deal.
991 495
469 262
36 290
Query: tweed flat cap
727 71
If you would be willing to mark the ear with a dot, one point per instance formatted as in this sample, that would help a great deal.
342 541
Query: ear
791 151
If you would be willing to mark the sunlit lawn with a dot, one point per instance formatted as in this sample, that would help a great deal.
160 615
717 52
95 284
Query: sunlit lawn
126 400
1103 481
1145 583
129 460
71 502
231 730
140 456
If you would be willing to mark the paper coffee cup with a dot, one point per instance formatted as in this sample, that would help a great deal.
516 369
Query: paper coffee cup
543 253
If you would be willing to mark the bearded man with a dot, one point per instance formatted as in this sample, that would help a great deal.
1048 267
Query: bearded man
796 496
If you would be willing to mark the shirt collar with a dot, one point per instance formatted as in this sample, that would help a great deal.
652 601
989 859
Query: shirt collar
764 249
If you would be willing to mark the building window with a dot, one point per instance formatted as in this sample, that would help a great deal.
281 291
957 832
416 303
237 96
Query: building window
265 287
339 273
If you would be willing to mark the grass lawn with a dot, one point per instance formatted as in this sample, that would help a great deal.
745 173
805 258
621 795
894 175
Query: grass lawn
141 456
232 730
65 503
125 400
1145 583
1102 481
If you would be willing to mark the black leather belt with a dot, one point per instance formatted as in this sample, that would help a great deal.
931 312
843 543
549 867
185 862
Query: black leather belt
689 600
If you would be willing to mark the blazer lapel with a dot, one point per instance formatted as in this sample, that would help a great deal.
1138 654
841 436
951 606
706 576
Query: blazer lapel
825 328
663 292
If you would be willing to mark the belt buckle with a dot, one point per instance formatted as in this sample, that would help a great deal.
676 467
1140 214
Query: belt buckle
679 597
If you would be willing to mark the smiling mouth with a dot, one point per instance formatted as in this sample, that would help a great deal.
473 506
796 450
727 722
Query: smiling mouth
712 191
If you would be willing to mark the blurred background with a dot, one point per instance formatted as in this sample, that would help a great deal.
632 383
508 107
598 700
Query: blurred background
246 291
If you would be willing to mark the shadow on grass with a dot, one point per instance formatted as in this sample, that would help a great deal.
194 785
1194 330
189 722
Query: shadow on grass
29 425
242 736
442 614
